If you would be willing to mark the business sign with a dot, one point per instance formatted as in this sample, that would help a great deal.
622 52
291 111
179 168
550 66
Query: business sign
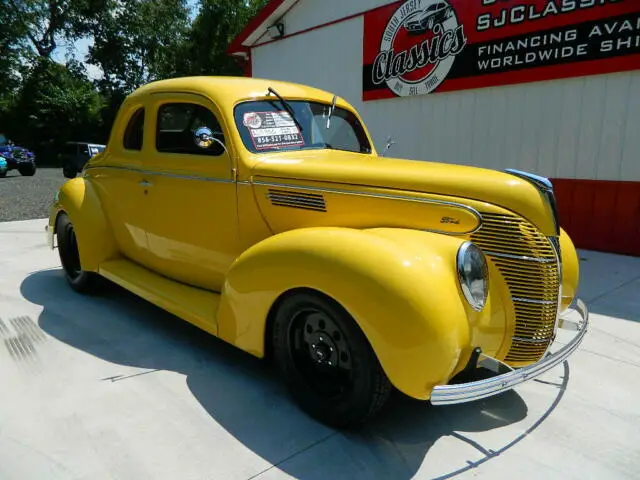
416 47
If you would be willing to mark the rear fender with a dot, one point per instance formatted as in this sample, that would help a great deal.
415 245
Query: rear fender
78 199
400 286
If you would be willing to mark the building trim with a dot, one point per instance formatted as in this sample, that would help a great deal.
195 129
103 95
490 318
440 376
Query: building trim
272 11
240 43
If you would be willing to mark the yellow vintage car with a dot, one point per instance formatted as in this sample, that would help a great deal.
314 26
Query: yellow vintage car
260 212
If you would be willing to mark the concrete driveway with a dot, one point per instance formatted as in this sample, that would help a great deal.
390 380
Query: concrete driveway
111 387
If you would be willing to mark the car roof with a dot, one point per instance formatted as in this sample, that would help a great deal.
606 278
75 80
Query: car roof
227 91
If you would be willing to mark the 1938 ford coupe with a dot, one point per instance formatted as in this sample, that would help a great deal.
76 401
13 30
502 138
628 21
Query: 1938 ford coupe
260 212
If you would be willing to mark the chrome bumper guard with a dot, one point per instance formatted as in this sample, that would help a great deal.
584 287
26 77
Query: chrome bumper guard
468 392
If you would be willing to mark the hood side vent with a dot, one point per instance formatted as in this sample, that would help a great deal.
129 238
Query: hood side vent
292 199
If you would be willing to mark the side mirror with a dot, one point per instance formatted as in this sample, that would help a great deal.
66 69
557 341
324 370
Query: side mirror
203 138
390 142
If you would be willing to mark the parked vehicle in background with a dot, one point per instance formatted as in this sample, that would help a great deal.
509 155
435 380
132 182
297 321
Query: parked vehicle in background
75 155
18 158
261 212
3 166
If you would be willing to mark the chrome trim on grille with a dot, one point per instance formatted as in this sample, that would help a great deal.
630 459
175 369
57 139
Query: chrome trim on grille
529 264
520 257
533 300
555 243
531 340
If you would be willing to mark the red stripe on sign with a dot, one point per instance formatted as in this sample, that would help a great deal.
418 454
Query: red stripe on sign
600 215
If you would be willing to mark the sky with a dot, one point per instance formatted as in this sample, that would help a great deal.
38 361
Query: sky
80 49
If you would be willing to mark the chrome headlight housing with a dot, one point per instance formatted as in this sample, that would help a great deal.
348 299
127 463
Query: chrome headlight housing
473 275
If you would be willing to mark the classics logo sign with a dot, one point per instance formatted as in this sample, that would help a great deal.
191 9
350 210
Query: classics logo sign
418 47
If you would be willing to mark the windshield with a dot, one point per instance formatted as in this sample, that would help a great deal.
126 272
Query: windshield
265 126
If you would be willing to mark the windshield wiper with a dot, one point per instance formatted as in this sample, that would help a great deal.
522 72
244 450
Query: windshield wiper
286 106
333 107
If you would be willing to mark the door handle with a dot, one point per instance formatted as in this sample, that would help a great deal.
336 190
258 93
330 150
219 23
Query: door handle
146 183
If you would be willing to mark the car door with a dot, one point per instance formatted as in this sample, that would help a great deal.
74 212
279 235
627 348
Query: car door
117 178
191 209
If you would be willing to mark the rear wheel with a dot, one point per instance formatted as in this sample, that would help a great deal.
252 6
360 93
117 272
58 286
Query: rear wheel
326 361
80 280
69 171
27 170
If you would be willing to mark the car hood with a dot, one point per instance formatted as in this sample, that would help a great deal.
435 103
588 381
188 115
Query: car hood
369 171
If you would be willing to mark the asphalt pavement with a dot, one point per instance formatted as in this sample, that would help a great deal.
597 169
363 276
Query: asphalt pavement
111 387
25 198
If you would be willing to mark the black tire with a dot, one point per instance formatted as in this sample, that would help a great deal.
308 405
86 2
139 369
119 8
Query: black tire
69 171
3 174
81 281
326 361
28 170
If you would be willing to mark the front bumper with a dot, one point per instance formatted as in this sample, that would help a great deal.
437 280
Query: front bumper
468 392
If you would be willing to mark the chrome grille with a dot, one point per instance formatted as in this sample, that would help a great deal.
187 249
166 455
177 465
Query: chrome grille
528 263
303 200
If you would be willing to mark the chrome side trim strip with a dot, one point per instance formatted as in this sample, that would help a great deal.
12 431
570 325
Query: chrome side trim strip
162 174
468 392
533 300
520 257
471 210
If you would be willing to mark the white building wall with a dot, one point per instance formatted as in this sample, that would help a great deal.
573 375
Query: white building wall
587 127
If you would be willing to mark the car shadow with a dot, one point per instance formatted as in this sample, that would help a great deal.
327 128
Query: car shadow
243 394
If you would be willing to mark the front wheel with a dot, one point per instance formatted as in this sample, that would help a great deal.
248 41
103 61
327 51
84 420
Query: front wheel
326 361
80 280
28 170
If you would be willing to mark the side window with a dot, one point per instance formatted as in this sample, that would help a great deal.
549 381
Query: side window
134 132
70 149
177 123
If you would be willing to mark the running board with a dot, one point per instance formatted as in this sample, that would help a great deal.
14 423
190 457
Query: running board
194 305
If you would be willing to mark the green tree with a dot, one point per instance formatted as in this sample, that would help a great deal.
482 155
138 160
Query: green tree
43 24
135 40
203 51
55 104
10 34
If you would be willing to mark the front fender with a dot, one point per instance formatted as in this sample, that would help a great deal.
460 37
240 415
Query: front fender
78 199
400 286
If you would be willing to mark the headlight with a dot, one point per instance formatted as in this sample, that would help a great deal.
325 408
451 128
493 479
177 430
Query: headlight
473 275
